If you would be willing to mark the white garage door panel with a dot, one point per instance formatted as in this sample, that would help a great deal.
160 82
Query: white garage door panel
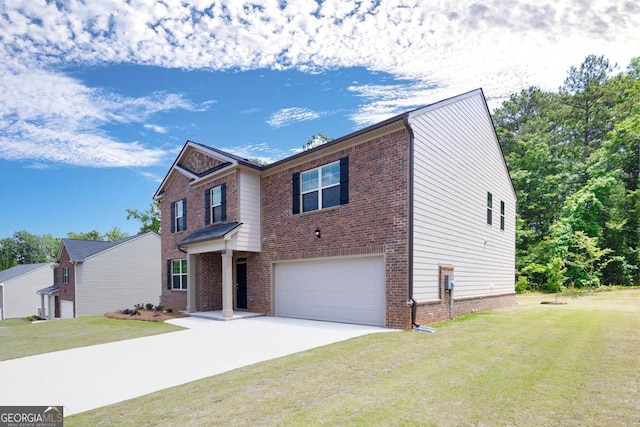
350 290
66 309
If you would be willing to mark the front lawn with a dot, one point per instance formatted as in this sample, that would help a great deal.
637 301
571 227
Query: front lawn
532 365
20 338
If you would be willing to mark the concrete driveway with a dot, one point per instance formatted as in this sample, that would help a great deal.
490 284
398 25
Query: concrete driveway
86 378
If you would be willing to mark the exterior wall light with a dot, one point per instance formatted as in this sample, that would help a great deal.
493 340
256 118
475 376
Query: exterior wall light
317 232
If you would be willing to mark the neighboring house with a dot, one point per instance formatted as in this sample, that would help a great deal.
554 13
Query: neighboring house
96 277
364 229
18 286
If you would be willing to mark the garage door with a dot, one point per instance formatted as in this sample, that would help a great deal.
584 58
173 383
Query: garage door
66 309
349 290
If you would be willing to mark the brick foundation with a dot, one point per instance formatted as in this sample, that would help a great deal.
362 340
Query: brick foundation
436 311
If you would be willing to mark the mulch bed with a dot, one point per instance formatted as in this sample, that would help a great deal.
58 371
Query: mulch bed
145 315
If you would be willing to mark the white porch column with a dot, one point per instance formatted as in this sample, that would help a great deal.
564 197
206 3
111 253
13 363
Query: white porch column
42 306
227 283
191 283
51 306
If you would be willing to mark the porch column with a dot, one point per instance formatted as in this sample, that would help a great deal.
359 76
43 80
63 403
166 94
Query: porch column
42 306
51 303
191 283
227 283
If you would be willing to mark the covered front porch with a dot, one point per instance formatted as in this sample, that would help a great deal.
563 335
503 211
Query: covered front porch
50 309
217 273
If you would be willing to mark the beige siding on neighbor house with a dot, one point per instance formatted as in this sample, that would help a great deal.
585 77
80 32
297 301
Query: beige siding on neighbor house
457 160
19 294
120 277
249 211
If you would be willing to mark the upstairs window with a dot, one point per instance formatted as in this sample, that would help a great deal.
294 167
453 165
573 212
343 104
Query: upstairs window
489 208
65 275
322 187
501 215
215 201
179 216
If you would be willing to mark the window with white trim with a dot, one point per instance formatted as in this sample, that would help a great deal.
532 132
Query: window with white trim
65 275
179 274
321 187
179 215
215 204
501 215
489 208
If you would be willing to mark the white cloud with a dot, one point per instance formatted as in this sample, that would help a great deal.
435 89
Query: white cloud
49 117
441 47
286 116
260 151
155 128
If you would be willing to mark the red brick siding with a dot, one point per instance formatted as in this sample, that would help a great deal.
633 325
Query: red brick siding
208 282
67 290
374 221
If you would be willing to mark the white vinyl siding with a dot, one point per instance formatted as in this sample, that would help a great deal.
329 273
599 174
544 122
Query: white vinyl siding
19 293
249 212
457 160
120 277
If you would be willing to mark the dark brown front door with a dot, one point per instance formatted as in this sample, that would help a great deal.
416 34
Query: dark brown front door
241 286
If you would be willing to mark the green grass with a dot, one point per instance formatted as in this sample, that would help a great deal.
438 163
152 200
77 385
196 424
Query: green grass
19 338
533 365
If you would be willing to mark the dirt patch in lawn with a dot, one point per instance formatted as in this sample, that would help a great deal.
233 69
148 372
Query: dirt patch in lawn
145 315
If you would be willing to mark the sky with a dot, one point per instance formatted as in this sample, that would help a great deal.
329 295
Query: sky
97 98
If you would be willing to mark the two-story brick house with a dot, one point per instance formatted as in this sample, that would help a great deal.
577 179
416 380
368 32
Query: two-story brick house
364 229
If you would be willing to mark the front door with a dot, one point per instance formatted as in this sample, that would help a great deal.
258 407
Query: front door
241 286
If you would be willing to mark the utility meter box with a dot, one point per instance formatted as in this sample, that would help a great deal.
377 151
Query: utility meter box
448 282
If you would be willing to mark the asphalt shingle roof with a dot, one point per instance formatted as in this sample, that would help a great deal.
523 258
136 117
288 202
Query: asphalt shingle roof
19 270
79 250
209 233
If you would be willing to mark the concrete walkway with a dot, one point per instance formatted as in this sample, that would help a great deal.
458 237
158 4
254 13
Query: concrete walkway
86 378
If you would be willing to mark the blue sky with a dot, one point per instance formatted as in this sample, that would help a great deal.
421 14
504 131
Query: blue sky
97 98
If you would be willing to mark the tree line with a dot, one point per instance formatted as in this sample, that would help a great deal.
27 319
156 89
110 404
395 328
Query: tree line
573 156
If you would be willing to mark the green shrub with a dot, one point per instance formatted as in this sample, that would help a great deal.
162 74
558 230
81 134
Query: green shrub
522 284
149 306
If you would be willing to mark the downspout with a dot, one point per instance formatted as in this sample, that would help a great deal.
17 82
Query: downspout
2 305
412 301
414 304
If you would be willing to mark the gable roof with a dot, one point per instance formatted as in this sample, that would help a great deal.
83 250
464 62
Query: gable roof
19 270
79 250
227 160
